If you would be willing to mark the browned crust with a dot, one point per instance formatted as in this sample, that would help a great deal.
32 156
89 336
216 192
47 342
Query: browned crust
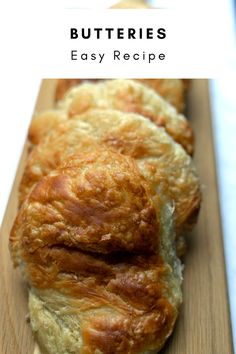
63 85
90 230
172 90
44 123
160 159
99 202
130 96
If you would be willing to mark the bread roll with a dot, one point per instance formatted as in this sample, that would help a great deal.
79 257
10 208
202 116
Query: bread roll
95 243
162 161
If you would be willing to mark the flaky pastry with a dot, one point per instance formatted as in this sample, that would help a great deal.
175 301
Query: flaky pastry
172 90
95 243
126 96
160 159
43 123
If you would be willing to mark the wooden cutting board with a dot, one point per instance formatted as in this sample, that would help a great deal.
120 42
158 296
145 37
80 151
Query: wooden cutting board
203 326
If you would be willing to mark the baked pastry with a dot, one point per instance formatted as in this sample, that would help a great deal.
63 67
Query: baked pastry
95 243
172 90
160 160
43 123
108 190
130 96
63 85
126 96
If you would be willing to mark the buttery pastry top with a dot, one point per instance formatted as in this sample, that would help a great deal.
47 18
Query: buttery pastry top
172 90
45 122
159 158
126 96
95 243
130 96
108 190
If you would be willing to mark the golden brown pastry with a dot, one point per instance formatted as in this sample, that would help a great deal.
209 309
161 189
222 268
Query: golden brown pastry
43 123
160 159
95 243
130 96
63 85
126 96
172 90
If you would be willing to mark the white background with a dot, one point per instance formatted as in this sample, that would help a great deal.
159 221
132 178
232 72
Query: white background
200 43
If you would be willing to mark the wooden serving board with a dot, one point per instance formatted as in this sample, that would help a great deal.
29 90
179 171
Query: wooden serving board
203 326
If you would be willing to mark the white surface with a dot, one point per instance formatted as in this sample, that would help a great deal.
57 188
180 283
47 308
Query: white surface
224 122
223 95
20 78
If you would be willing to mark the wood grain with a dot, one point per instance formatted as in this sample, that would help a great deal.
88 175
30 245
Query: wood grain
203 326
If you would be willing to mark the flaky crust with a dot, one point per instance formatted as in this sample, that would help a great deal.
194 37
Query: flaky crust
160 159
130 96
63 85
94 242
117 214
172 90
126 96
44 122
